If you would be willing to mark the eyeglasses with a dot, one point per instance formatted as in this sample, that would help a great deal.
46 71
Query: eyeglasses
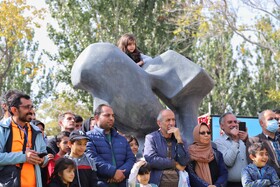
230 122
29 107
203 133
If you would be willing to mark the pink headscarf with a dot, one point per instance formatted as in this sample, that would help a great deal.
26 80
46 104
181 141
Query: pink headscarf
202 154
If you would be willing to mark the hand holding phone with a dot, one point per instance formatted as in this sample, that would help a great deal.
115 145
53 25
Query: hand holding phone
242 126
41 155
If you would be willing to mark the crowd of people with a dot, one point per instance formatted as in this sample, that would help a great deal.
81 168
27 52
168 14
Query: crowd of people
93 153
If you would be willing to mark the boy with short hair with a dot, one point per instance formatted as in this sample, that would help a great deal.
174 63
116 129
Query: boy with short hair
259 173
85 174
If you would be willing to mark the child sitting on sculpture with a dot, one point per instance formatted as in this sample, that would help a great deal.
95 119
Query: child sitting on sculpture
127 43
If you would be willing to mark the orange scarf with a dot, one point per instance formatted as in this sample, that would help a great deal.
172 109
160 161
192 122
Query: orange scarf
202 154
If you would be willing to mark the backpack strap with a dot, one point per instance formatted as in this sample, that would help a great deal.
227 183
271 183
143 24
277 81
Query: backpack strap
8 145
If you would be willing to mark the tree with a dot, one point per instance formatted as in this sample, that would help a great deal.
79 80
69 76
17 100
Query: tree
244 71
264 26
85 22
262 35
17 48
51 108
204 31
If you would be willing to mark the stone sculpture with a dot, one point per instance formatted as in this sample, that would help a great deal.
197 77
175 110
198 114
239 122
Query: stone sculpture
133 92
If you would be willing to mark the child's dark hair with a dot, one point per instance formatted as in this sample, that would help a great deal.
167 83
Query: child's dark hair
62 164
78 118
144 169
61 135
252 150
130 138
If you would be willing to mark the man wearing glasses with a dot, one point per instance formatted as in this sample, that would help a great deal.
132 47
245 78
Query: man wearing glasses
269 137
21 142
232 145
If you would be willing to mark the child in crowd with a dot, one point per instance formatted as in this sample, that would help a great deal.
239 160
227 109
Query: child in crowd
141 171
259 173
62 143
41 126
127 43
134 145
88 124
64 173
78 122
86 170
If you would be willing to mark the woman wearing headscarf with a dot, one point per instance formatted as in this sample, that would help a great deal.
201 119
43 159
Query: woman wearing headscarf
207 167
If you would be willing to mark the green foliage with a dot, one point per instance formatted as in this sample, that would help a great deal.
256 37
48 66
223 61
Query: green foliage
18 66
53 107
87 22
241 78
201 30
274 95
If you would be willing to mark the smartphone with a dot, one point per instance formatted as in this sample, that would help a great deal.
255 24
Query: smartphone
242 126
41 155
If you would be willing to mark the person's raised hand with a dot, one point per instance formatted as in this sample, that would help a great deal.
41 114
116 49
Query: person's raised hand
176 133
234 132
243 135
140 163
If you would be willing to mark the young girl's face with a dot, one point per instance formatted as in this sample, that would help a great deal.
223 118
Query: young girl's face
68 175
131 46
63 145
78 148
144 179
261 158
134 147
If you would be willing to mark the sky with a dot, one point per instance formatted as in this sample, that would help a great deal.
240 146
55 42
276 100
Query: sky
41 34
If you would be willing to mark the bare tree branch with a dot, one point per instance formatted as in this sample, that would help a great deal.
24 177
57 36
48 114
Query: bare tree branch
254 6
265 44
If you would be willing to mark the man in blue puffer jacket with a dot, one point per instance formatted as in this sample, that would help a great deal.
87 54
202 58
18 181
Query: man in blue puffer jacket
111 151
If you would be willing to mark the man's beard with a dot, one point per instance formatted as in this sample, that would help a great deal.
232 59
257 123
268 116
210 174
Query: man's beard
26 118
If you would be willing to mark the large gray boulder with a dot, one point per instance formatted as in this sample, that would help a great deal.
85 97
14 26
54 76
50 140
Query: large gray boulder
113 78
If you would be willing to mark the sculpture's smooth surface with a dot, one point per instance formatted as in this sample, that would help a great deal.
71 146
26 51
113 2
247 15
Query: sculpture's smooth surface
113 78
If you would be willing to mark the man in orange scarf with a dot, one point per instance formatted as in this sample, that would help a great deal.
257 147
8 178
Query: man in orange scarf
25 141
